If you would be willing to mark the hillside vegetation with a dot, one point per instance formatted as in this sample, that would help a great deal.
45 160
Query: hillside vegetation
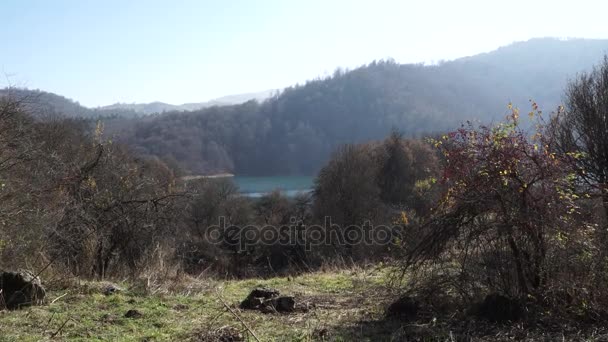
294 131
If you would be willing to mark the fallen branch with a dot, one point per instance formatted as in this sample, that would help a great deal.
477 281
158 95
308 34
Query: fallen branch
238 317
61 327
58 298
2 301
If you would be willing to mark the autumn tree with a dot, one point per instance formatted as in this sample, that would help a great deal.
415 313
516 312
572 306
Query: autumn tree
508 198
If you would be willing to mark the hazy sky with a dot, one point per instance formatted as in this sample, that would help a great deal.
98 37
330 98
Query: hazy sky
107 51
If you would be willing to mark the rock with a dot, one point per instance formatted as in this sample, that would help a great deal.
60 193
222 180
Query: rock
268 300
111 289
498 308
134 314
258 297
19 289
284 304
181 307
264 292
405 307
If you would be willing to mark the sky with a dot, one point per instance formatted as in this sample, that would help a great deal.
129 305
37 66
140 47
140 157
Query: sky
107 51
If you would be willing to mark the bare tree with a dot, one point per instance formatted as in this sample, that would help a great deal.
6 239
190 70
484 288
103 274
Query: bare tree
582 128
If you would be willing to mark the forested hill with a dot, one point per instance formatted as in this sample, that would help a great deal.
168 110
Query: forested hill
44 105
295 131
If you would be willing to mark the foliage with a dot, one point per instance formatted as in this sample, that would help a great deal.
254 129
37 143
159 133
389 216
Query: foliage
77 202
581 129
509 201
296 131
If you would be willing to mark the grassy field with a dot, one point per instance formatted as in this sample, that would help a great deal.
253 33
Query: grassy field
339 304
346 305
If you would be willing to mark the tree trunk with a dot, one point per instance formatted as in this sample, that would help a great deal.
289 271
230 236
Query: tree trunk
605 201
521 277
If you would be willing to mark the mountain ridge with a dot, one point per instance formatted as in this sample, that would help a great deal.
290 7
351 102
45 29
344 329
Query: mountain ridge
159 107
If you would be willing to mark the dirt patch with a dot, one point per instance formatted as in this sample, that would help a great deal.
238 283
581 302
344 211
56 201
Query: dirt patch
223 334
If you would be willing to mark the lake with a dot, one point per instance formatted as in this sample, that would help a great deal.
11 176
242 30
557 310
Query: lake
259 186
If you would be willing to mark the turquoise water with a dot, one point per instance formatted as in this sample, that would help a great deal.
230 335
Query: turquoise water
258 186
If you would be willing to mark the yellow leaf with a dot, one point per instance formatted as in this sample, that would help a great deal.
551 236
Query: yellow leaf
404 218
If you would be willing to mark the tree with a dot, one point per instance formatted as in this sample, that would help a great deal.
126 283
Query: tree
396 178
507 199
346 189
582 128
408 165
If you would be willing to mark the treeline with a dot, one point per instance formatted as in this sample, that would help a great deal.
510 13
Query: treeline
43 105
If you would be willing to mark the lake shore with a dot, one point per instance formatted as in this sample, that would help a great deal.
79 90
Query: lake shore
217 175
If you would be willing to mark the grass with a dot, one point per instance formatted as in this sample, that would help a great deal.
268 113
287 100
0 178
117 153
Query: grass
345 305
338 301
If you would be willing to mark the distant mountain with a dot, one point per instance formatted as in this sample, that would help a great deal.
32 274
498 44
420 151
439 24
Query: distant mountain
45 105
160 107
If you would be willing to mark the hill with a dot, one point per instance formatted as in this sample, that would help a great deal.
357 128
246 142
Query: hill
294 132
159 107
45 105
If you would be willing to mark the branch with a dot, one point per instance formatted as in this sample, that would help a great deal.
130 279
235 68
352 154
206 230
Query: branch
238 317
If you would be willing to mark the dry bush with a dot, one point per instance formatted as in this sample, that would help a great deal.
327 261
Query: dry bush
510 204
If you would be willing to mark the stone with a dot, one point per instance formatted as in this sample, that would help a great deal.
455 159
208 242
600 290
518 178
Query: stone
111 289
284 304
20 289
268 300
134 314
181 307
258 297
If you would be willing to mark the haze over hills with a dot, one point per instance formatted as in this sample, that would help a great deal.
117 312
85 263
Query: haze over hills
295 131
42 103
159 107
